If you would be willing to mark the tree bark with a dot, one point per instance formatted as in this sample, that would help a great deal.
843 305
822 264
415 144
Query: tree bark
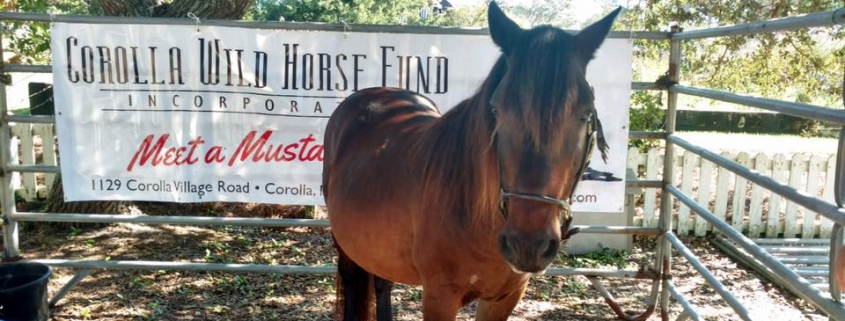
129 8
208 9
204 9
56 203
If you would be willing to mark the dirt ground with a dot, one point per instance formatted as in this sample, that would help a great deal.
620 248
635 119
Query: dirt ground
170 295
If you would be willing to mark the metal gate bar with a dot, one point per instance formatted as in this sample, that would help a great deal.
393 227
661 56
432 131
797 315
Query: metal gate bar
689 310
828 115
813 203
819 19
815 271
780 272
709 277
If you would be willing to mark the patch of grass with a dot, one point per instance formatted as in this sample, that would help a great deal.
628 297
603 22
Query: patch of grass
85 313
217 252
604 258
244 240
21 112
137 282
608 257
241 282
544 287
327 284
415 294
572 285
157 307
157 310
74 231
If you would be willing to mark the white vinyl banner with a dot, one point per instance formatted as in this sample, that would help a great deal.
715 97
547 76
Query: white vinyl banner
202 114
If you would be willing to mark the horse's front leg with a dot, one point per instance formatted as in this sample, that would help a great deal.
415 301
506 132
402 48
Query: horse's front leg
501 309
441 302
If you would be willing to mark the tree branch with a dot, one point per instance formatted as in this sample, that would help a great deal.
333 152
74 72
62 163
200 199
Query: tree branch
208 9
719 64
129 8
801 52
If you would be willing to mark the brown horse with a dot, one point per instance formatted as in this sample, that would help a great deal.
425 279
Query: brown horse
469 204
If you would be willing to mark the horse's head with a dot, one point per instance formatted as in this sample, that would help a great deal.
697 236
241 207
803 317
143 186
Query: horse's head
545 129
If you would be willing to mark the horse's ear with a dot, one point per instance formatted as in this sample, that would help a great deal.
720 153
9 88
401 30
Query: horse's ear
502 29
590 39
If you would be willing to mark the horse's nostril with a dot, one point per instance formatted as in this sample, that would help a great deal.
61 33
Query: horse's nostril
542 247
551 248
504 245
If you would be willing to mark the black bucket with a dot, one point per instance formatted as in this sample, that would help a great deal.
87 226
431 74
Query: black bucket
23 291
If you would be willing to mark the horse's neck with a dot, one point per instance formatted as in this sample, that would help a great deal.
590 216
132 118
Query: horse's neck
464 151
469 125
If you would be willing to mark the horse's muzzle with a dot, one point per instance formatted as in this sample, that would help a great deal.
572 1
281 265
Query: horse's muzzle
528 253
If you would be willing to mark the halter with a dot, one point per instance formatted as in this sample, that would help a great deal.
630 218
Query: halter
565 205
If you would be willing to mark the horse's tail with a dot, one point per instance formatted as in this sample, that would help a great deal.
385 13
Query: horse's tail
354 289
340 300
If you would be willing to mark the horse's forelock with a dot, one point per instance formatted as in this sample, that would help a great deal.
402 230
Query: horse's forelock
542 85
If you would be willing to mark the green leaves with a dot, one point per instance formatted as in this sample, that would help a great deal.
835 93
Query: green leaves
793 66
647 114
382 12
802 65
30 41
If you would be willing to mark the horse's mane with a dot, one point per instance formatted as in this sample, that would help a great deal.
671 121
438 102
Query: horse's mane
460 157
464 159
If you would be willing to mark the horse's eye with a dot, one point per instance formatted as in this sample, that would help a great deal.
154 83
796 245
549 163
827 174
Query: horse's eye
586 117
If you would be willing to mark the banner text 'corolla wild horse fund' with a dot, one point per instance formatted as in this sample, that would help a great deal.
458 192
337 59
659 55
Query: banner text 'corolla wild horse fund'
202 114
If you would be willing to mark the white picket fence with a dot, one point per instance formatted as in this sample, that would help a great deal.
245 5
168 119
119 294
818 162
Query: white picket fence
33 144
747 207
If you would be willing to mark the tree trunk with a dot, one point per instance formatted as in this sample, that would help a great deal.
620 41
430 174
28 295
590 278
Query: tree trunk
204 9
56 203
208 9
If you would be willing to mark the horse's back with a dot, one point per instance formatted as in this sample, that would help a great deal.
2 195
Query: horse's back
371 176
368 117
373 110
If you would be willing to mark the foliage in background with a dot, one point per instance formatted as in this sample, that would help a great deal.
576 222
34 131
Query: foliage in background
473 15
539 12
405 12
382 12
647 114
30 42
803 65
